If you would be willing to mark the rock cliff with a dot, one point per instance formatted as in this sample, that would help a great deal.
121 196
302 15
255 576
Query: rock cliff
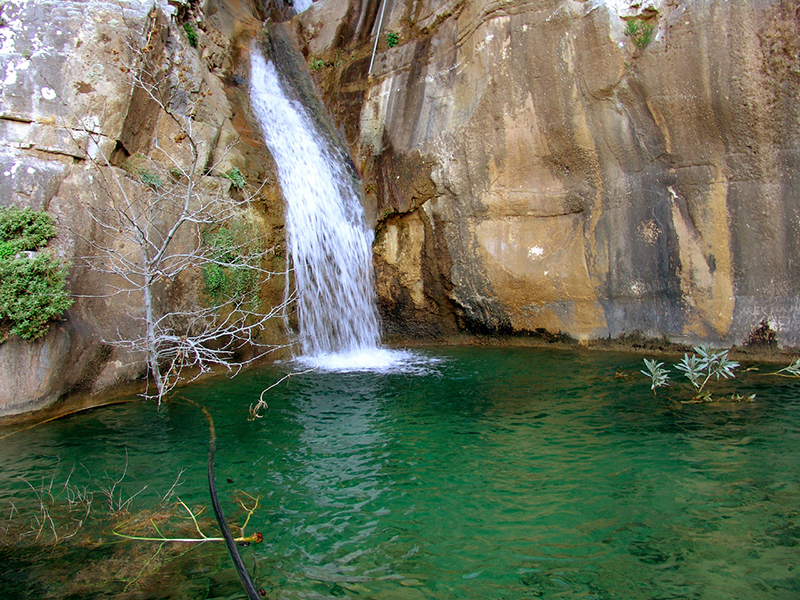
567 169
596 169
72 123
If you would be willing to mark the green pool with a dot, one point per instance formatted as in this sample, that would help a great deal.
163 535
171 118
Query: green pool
482 473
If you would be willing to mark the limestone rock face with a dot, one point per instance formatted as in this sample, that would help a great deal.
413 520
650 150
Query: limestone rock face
70 117
593 168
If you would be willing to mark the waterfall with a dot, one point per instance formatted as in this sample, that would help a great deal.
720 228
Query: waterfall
329 242
301 5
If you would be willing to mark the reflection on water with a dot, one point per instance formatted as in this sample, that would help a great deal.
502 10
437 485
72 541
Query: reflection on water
340 453
504 473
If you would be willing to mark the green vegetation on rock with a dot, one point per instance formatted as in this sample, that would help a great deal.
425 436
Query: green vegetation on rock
640 32
32 280
150 179
236 177
191 34
230 274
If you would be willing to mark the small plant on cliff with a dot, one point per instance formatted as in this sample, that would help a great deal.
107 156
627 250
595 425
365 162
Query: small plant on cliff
191 34
392 39
703 365
316 63
150 179
640 32
32 280
231 272
236 177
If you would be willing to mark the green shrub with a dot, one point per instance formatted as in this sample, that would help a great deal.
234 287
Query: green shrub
150 179
7 250
32 293
392 39
640 32
236 177
31 287
24 229
316 63
215 280
231 274
191 34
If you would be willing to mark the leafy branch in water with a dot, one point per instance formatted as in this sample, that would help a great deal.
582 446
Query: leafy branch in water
160 537
699 368
52 512
793 370
658 375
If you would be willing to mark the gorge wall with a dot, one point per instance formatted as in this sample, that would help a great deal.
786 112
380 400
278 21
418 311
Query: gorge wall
67 104
534 170
531 169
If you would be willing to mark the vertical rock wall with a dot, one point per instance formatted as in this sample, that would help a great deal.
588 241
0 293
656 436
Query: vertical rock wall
66 71
534 169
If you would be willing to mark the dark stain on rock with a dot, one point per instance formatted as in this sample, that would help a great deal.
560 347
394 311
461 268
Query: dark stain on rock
83 87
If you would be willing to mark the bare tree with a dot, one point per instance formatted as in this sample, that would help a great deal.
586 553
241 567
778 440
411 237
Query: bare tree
177 218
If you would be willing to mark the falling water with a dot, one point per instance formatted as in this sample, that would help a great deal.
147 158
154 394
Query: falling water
329 241
301 5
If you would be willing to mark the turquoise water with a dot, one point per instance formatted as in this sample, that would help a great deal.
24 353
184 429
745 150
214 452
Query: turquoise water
495 473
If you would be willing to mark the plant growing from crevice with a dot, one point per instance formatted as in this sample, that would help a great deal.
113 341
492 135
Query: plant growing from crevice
640 32
392 39
191 34
150 179
232 271
236 177
32 280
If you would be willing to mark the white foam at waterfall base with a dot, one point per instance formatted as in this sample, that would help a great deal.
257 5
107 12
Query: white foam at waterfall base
378 360
329 242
